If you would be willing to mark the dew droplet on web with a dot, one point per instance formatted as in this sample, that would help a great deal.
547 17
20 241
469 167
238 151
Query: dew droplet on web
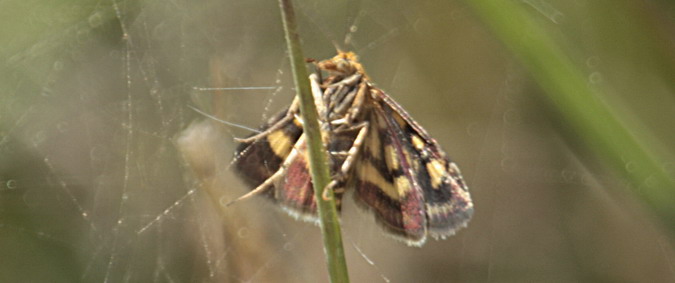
586 179
512 116
557 17
630 166
62 127
651 181
595 78
31 198
82 35
95 153
223 201
115 54
242 232
58 65
593 61
95 20
46 92
569 176
11 184
38 138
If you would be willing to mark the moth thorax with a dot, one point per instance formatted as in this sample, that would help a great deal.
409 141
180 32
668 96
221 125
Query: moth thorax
340 96
346 67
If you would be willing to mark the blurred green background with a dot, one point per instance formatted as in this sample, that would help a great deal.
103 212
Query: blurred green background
559 113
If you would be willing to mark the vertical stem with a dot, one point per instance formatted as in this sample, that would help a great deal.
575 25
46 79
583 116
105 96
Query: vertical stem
317 156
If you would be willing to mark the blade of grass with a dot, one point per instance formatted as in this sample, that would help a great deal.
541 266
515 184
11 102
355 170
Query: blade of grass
317 155
566 86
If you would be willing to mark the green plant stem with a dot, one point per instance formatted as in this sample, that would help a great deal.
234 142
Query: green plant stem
317 155
566 86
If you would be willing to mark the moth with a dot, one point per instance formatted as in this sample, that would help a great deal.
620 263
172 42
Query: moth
376 151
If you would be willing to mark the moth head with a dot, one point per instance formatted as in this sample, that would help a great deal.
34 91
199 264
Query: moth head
344 63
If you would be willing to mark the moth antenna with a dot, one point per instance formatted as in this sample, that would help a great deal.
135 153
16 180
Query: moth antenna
338 48
223 121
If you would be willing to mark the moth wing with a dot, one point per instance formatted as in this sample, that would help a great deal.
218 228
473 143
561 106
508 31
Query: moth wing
447 200
385 182
258 160
281 149
285 150
294 190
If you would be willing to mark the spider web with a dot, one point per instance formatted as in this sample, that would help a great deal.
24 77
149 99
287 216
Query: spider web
109 175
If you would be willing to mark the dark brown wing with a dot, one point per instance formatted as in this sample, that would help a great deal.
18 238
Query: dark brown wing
258 160
448 202
284 150
407 180
385 180
295 192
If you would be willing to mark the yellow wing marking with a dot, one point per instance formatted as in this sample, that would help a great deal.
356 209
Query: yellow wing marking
369 174
280 143
436 173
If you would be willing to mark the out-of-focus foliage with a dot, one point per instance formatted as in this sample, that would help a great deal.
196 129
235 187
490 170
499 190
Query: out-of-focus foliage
581 105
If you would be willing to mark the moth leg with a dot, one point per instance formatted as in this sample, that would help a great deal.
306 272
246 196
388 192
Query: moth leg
290 115
347 165
262 187
318 96
353 111
354 150
345 125
332 186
